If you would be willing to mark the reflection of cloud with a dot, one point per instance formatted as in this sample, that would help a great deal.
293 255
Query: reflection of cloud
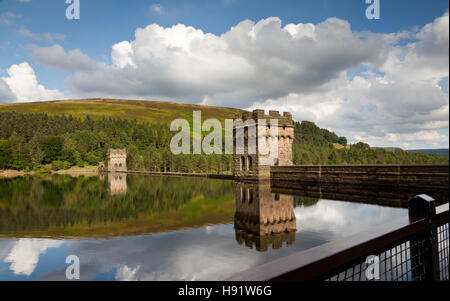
24 255
183 255
125 273
5 246
209 229
343 218
208 253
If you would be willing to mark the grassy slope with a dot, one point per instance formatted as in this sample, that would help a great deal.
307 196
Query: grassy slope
151 111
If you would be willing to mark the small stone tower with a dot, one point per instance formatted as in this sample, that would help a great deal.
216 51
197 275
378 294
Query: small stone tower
263 218
117 160
254 166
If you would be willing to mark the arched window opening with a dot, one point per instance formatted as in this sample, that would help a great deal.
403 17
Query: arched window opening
250 165
242 163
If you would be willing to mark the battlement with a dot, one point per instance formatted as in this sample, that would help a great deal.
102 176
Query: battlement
117 152
284 120
262 243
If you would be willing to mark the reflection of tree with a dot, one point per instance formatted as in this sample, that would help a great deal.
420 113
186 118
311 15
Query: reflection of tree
263 218
30 203
304 201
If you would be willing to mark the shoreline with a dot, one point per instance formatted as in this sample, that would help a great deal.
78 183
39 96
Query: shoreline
6 174
10 173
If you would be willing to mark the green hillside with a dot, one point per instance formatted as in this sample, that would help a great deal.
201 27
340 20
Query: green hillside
313 145
150 111
62 134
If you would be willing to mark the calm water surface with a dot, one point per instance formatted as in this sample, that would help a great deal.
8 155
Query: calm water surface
132 227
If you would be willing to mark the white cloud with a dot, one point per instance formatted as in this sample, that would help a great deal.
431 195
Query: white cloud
5 92
298 67
7 18
122 55
405 106
250 62
157 8
55 56
24 255
47 37
23 84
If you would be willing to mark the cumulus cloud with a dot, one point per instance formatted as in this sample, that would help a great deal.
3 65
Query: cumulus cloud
56 57
380 88
22 82
251 61
5 92
400 103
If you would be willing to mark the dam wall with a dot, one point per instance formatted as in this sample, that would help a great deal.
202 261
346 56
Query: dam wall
387 176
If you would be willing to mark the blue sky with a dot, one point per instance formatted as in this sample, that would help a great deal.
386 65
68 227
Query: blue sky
407 29
105 22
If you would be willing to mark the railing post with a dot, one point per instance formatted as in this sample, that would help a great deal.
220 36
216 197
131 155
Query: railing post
424 252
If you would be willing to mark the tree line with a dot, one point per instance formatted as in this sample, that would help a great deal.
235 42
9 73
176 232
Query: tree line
43 142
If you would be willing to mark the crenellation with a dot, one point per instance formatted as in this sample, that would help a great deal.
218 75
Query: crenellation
273 113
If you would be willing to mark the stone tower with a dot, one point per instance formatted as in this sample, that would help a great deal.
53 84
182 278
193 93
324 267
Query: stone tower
250 165
263 218
117 160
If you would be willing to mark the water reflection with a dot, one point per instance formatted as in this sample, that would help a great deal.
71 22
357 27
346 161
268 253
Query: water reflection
65 206
117 183
263 218
159 228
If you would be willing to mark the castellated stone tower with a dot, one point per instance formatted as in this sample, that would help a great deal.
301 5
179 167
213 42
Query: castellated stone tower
117 160
250 165
263 218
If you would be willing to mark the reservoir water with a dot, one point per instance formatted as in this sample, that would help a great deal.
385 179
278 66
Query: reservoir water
137 227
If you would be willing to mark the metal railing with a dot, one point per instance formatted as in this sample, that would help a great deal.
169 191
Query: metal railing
410 249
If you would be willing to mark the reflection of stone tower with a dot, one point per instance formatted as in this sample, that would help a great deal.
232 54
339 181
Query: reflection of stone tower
117 183
248 166
262 217
117 160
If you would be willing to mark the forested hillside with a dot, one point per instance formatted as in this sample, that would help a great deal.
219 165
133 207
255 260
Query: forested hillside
42 142
313 145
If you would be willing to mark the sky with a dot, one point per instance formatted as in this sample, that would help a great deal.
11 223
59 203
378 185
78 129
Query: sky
382 81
